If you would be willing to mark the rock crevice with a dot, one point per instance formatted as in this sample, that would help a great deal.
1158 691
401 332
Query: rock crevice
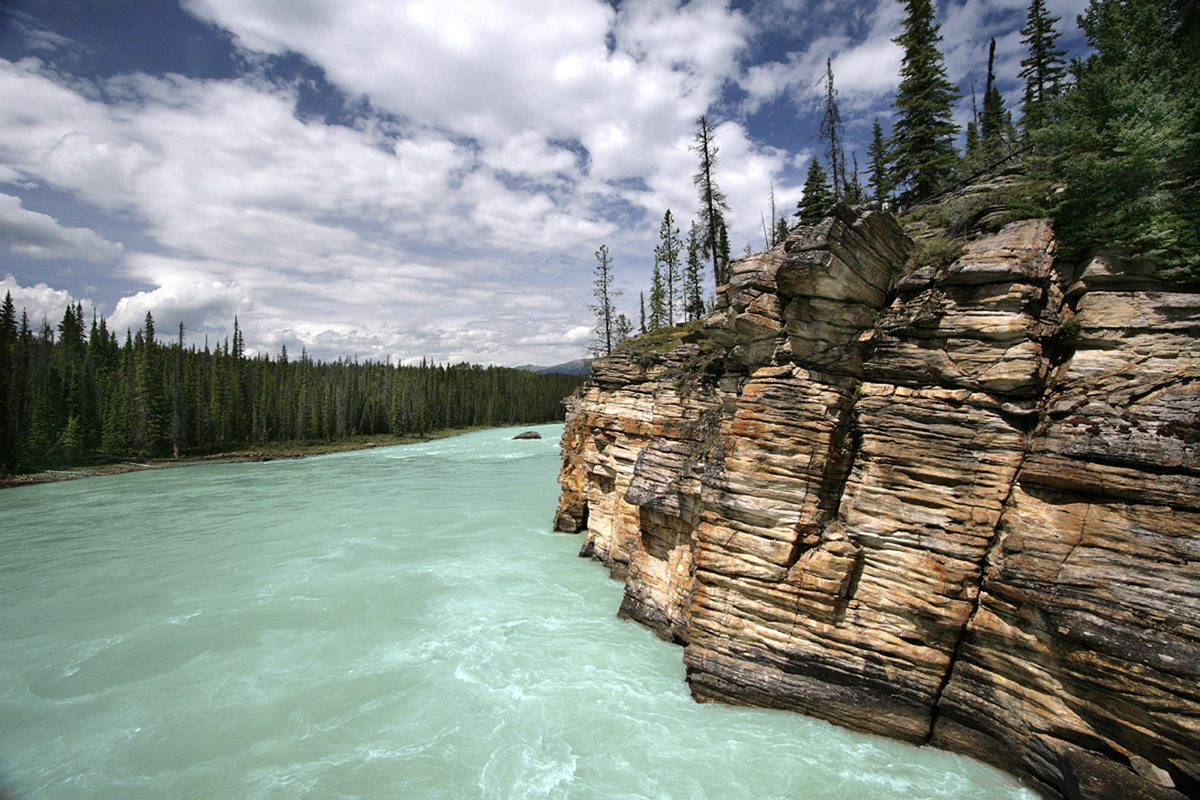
919 505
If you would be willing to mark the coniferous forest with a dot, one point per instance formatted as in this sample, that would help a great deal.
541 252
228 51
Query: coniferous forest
79 392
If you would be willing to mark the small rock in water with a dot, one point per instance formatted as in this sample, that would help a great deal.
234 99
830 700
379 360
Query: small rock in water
528 435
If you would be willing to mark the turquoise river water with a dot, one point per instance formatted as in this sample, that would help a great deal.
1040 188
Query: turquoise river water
390 623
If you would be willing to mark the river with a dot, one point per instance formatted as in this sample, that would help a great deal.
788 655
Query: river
390 623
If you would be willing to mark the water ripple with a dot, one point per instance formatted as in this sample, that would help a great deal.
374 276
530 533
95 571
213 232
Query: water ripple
398 622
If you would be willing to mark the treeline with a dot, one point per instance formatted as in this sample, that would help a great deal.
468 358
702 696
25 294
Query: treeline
1119 129
80 392
676 284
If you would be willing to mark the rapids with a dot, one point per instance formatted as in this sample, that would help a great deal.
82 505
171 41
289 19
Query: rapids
390 623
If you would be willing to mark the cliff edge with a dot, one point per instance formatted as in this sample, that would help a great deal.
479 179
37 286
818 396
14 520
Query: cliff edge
956 504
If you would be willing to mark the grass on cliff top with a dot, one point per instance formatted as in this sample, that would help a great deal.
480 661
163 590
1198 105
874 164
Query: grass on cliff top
663 340
643 349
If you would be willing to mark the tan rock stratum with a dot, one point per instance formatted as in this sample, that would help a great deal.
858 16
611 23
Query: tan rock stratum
919 505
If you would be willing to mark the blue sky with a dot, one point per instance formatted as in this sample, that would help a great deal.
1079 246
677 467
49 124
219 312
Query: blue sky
422 178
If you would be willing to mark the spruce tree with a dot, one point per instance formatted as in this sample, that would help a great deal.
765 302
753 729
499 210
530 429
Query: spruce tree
1126 138
116 435
658 300
832 133
1043 68
781 230
853 192
605 294
693 281
666 256
771 236
993 121
8 343
149 399
623 328
723 251
818 197
713 205
923 155
973 152
880 178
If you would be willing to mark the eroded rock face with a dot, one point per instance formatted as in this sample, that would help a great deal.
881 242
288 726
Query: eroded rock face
915 506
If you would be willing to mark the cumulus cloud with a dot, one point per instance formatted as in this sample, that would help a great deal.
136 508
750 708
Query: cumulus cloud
487 149
38 235
519 80
40 301
499 146
204 307
865 60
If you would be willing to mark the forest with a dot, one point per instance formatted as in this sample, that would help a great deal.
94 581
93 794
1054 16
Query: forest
79 393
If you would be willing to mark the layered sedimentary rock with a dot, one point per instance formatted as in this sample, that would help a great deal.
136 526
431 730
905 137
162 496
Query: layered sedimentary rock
959 505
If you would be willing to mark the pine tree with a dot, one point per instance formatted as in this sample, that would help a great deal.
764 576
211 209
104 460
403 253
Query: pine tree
641 312
832 133
623 328
8 384
923 155
781 230
853 192
880 180
693 282
604 338
149 419
1126 138
658 300
1043 69
666 256
993 121
713 205
973 152
818 197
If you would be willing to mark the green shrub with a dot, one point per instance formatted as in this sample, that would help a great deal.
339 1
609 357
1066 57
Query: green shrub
934 251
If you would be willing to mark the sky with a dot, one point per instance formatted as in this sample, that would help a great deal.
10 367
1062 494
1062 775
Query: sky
419 178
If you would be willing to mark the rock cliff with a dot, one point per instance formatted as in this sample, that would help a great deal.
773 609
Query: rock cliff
957 504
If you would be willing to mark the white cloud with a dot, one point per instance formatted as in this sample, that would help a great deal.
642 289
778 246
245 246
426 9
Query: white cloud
40 301
515 77
867 72
515 142
38 235
865 65
204 307
496 146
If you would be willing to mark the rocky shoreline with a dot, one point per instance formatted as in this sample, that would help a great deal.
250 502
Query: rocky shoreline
120 468
235 457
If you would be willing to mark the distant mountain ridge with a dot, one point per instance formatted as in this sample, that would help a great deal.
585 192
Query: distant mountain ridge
580 366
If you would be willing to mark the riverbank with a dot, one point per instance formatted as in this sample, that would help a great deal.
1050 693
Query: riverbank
266 452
